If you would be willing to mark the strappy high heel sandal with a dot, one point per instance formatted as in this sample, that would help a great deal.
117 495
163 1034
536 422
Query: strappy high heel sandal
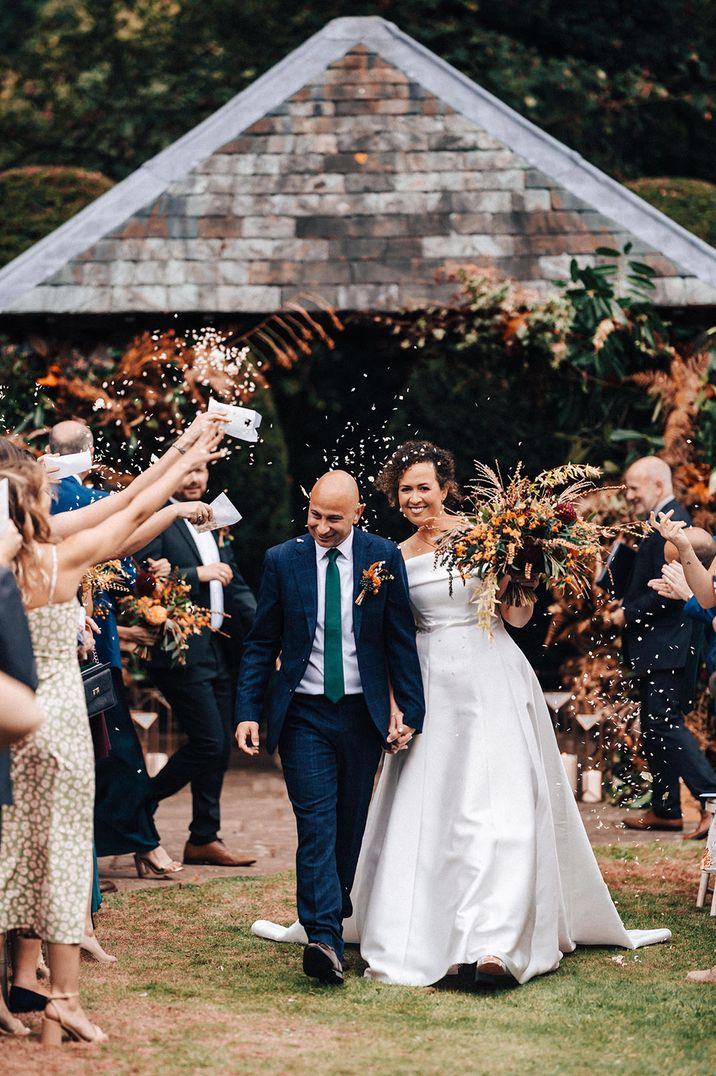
55 1028
146 866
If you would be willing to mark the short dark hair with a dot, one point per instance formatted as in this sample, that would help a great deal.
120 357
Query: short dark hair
412 452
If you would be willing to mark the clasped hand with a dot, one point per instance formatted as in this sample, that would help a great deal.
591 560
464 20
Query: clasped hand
672 583
399 735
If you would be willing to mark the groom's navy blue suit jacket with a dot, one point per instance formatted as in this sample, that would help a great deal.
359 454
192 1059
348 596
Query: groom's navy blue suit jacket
285 624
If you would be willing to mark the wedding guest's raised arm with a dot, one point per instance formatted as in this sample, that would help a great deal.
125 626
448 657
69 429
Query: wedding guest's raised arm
98 543
195 511
699 578
69 523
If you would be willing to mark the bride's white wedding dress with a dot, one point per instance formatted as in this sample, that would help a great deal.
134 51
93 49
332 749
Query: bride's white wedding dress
474 845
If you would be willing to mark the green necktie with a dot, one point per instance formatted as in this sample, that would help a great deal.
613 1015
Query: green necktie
333 683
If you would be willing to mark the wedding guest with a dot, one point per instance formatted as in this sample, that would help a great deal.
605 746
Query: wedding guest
17 661
201 692
18 683
123 822
45 854
672 584
701 578
657 641
19 713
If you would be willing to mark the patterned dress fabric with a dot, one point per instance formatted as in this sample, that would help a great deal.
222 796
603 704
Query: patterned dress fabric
46 849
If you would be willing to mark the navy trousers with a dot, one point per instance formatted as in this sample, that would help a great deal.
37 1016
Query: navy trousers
670 749
330 754
202 700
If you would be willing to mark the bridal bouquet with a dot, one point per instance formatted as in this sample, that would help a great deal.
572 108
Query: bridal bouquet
165 605
529 531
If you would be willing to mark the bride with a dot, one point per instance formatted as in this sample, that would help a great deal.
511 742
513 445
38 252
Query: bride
474 853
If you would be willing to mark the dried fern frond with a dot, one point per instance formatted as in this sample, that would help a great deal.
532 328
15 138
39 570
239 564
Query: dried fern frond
487 482
568 472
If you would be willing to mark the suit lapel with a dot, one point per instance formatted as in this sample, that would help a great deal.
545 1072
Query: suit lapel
361 551
184 533
304 569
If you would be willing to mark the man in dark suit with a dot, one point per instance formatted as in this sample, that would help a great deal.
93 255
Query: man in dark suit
657 641
201 692
331 712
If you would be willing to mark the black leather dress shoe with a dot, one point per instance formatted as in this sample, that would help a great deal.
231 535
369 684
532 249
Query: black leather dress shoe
21 1000
322 962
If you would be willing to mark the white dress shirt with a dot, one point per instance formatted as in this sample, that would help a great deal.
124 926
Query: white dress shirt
209 553
312 683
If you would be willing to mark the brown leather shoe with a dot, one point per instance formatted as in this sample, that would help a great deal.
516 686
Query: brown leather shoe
647 820
702 829
321 962
215 854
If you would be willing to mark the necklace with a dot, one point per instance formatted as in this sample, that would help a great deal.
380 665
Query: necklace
430 542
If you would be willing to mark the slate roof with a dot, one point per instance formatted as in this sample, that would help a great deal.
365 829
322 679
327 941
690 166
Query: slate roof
355 168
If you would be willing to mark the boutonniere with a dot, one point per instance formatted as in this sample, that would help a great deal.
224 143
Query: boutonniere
372 580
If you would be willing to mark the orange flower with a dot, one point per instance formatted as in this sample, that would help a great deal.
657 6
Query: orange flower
155 615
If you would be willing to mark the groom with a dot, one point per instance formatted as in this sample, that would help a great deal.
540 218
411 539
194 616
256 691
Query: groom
330 713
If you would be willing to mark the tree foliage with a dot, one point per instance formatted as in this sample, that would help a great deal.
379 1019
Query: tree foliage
690 202
37 199
103 86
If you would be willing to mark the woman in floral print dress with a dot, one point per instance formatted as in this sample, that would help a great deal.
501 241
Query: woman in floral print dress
46 849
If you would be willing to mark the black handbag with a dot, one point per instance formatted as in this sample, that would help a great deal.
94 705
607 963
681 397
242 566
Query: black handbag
99 689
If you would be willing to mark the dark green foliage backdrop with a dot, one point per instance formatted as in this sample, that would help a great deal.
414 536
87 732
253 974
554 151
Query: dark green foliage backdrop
37 199
105 85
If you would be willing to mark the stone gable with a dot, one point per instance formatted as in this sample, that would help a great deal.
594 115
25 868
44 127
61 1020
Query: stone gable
358 187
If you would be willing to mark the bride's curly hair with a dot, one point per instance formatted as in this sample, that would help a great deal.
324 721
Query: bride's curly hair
409 453
27 493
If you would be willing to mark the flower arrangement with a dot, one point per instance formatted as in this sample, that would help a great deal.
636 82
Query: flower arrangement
372 580
527 532
101 580
165 605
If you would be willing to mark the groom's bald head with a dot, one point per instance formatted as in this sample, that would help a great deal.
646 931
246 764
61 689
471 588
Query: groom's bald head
334 508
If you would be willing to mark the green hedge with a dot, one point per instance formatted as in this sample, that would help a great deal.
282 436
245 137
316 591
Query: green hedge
690 202
36 200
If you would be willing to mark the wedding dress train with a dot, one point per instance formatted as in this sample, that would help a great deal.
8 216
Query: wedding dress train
474 845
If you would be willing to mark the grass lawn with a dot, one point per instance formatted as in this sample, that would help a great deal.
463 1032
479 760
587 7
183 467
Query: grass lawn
194 992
